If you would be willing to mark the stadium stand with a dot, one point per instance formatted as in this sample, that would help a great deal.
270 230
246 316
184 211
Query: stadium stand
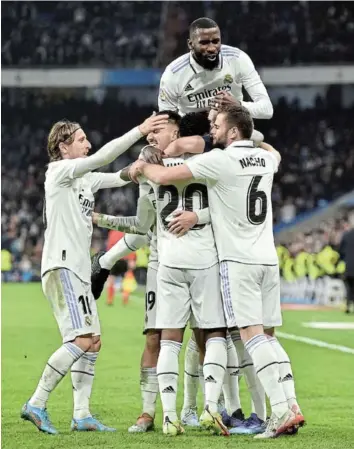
107 33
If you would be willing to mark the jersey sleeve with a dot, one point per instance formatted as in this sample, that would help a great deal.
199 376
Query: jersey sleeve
261 107
105 181
168 94
275 161
206 166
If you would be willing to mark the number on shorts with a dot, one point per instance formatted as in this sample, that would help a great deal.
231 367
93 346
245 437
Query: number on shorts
150 300
85 305
187 200
255 197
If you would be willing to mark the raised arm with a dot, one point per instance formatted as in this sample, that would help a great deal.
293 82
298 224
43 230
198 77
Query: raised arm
109 152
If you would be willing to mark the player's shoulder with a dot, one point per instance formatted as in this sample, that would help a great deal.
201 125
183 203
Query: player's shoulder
179 65
229 52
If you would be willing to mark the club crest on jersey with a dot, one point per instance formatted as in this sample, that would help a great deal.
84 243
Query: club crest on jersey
88 320
162 95
228 79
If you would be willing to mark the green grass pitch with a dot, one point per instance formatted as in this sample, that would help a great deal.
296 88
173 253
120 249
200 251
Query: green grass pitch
324 380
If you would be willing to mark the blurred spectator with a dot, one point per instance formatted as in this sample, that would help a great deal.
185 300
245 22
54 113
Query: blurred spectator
121 34
346 250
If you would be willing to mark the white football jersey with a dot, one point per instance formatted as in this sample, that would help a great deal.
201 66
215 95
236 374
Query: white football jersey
67 212
196 249
186 86
240 180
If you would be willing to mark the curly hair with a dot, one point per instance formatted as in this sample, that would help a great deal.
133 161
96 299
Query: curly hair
62 131
194 124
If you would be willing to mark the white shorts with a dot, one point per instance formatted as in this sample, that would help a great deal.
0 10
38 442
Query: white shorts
251 294
184 293
150 299
72 302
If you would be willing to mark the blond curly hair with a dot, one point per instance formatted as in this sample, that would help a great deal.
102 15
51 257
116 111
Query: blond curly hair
62 131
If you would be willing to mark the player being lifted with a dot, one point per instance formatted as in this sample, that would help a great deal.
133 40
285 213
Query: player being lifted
209 72
239 180
66 266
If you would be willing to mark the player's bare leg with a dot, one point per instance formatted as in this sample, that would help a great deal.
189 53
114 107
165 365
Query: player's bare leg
148 383
266 364
58 365
287 377
214 368
167 373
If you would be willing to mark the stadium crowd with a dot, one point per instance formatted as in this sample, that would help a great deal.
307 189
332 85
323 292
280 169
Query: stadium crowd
108 33
317 165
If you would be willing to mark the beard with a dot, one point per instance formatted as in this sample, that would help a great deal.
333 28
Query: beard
221 143
204 61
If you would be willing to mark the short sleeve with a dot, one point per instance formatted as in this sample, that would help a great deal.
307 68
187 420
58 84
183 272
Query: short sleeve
168 95
275 161
61 172
206 166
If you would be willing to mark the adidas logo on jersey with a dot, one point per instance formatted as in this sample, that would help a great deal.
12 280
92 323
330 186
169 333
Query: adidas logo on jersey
287 377
169 389
188 88
210 379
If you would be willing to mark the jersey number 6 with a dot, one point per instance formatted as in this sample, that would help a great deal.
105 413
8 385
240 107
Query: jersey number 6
256 197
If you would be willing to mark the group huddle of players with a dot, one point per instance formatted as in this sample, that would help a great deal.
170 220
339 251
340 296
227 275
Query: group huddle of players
204 207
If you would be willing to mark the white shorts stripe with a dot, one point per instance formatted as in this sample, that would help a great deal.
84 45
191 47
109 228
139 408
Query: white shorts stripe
225 285
70 299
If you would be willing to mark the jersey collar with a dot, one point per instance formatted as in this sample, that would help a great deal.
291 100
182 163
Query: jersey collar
199 69
242 143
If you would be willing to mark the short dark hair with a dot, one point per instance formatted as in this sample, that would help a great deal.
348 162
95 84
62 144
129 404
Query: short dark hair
240 117
173 116
194 124
202 22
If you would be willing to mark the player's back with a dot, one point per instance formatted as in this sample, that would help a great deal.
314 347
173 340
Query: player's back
196 249
67 219
242 206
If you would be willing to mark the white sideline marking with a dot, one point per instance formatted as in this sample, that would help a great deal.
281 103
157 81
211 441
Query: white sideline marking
313 342
329 325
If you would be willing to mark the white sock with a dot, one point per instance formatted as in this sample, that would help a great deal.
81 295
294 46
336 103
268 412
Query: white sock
167 374
231 382
82 375
201 382
253 383
57 366
149 390
267 368
286 373
214 371
191 375
255 387
125 246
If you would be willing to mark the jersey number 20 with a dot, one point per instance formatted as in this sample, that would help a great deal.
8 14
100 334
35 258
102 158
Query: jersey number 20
187 200
256 215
